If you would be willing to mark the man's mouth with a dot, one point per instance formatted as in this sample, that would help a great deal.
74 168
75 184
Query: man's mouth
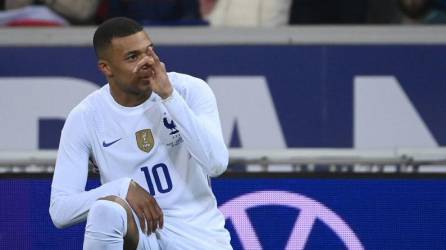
145 76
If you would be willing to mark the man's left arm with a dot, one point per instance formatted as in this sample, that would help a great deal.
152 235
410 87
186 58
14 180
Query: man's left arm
198 121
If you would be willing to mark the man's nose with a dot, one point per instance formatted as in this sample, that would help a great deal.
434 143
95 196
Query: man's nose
146 64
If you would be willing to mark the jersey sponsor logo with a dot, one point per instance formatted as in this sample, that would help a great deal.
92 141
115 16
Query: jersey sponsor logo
105 144
310 211
144 139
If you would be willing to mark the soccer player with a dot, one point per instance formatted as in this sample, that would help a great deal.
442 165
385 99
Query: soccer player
155 138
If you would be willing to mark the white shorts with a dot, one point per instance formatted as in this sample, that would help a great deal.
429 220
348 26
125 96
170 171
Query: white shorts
146 242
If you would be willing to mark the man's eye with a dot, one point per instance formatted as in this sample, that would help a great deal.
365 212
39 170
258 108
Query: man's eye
132 57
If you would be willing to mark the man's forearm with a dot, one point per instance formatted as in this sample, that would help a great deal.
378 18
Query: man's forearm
68 208
201 135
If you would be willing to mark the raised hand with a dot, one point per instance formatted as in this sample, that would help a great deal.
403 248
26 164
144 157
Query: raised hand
159 81
149 213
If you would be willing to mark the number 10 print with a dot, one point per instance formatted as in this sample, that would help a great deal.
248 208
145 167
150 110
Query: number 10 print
158 171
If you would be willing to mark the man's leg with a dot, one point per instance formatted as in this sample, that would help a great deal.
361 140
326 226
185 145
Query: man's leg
110 226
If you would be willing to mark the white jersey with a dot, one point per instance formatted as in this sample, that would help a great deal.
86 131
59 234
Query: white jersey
170 147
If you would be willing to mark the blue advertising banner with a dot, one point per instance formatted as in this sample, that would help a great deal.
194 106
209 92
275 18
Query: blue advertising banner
302 95
269 213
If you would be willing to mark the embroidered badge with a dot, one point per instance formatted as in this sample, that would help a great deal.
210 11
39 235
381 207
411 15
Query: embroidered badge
144 139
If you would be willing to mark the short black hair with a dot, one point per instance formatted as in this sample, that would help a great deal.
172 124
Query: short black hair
111 28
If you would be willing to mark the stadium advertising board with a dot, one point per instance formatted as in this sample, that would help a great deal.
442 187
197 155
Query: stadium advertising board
269 96
269 213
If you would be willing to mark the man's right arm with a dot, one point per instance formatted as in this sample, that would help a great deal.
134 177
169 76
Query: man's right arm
69 200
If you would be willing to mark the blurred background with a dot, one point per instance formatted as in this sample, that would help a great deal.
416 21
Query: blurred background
334 113
248 13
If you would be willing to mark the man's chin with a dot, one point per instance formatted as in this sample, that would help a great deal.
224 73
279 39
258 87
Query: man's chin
144 81
144 85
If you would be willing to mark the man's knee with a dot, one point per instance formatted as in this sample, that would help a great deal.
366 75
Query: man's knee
107 218
131 236
119 201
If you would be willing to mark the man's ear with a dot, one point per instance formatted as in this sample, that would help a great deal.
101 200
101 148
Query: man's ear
104 67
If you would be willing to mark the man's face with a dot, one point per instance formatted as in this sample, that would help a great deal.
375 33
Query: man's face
122 57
